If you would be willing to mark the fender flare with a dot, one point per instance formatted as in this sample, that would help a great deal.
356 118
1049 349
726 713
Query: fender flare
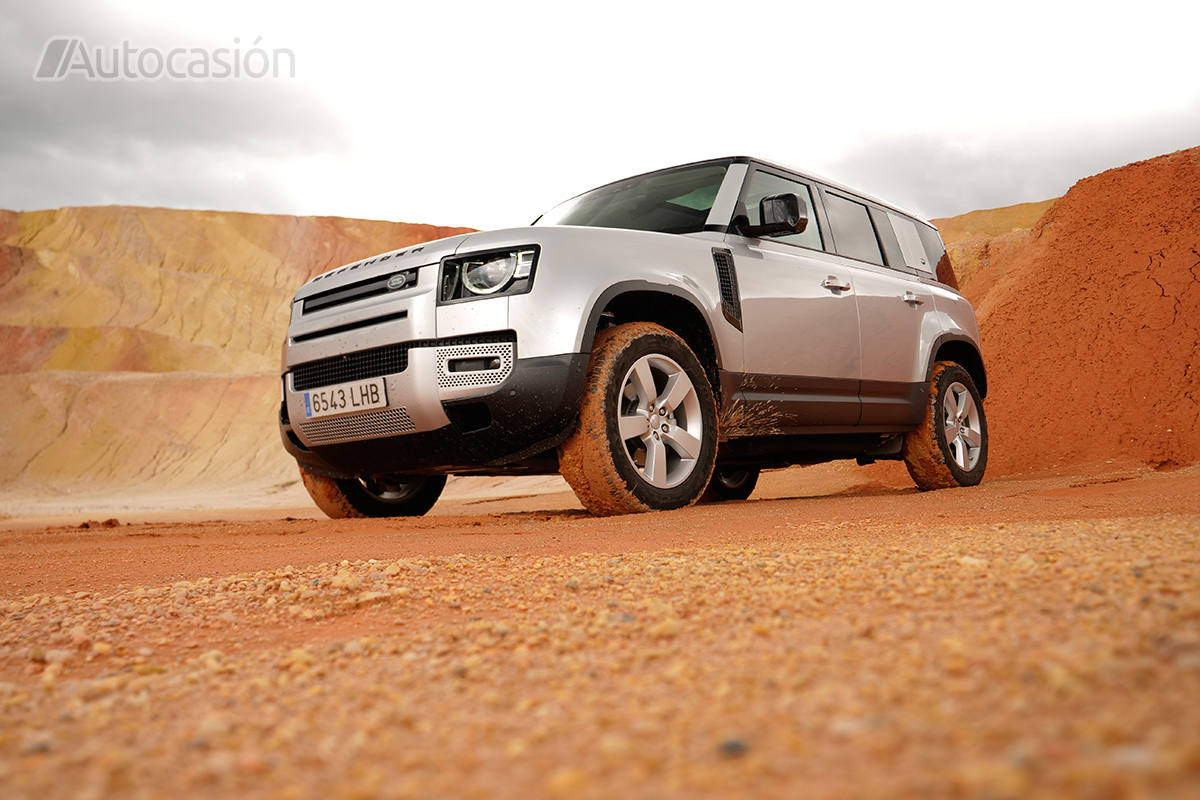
626 287
945 338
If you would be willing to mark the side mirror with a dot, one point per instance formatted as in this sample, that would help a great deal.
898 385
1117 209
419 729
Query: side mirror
781 214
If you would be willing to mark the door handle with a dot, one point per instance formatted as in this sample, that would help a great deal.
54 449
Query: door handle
913 299
836 284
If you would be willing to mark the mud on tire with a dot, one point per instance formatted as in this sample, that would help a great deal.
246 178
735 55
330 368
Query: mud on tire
339 498
950 448
616 467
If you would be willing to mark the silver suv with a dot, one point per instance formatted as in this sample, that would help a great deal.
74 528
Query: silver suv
655 340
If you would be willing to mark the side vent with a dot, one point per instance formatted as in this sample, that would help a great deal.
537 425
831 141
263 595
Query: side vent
731 300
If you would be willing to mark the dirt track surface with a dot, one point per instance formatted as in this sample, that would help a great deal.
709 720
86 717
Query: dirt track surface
1037 636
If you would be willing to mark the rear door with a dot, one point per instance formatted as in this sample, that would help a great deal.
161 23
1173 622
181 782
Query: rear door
801 326
893 306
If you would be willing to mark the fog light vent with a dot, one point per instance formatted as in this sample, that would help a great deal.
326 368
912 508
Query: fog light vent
473 366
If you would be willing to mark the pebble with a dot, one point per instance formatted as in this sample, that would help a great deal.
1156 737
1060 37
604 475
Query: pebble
734 748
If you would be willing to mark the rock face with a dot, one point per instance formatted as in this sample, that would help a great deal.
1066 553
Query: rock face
140 346
1091 324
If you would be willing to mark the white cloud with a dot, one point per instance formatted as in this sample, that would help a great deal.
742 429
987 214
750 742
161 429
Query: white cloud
485 114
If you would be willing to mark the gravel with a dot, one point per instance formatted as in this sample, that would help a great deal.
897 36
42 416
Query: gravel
991 661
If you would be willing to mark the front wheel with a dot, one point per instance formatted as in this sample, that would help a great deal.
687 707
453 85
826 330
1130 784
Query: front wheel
374 496
647 433
951 446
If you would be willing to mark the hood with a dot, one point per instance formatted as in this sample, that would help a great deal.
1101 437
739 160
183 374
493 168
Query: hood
419 255
430 253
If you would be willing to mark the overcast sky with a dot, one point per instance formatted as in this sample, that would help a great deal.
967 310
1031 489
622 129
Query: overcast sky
485 115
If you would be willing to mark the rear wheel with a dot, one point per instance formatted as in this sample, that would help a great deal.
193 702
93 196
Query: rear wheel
647 433
951 446
730 483
374 496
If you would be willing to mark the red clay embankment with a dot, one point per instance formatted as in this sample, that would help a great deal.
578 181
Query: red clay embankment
1091 327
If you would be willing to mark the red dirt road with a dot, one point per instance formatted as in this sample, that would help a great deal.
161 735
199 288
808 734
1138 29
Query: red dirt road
1028 637
56 560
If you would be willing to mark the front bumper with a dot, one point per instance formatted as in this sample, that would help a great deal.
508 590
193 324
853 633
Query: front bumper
432 427
458 397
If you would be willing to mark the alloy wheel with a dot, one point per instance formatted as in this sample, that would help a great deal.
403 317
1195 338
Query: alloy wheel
964 434
659 421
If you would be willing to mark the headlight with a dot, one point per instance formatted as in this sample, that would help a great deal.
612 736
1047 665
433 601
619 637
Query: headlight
488 274
500 272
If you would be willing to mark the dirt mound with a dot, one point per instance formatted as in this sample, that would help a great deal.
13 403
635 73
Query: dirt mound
1091 334
125 429
990 222
205 278
94 300
981 243
106 348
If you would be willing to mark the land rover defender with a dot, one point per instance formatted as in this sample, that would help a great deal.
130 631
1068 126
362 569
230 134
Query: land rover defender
656 340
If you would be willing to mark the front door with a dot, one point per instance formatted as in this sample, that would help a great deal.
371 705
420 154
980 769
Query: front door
801 328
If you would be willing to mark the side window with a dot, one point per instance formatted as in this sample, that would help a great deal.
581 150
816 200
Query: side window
892 255
910 243
936 252
853 233
764 184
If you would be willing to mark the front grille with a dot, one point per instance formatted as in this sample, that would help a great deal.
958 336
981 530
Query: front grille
378 361
731 300
350 326
362 290
371 425
373 363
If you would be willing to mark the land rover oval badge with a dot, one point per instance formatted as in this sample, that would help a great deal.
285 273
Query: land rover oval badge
397 281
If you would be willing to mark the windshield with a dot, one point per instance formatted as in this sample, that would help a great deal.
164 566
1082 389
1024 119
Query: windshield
671 201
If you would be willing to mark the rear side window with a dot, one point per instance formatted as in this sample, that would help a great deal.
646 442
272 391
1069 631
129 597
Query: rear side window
935 251
764 184
853 234
910 243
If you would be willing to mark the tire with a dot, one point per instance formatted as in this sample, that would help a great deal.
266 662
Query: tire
951 446
641 372
398 496
730 483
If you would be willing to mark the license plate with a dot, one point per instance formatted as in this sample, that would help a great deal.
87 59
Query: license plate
343 398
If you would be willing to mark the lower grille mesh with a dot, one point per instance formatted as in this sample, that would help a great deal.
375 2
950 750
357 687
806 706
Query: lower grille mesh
385 422
372 363
379 361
